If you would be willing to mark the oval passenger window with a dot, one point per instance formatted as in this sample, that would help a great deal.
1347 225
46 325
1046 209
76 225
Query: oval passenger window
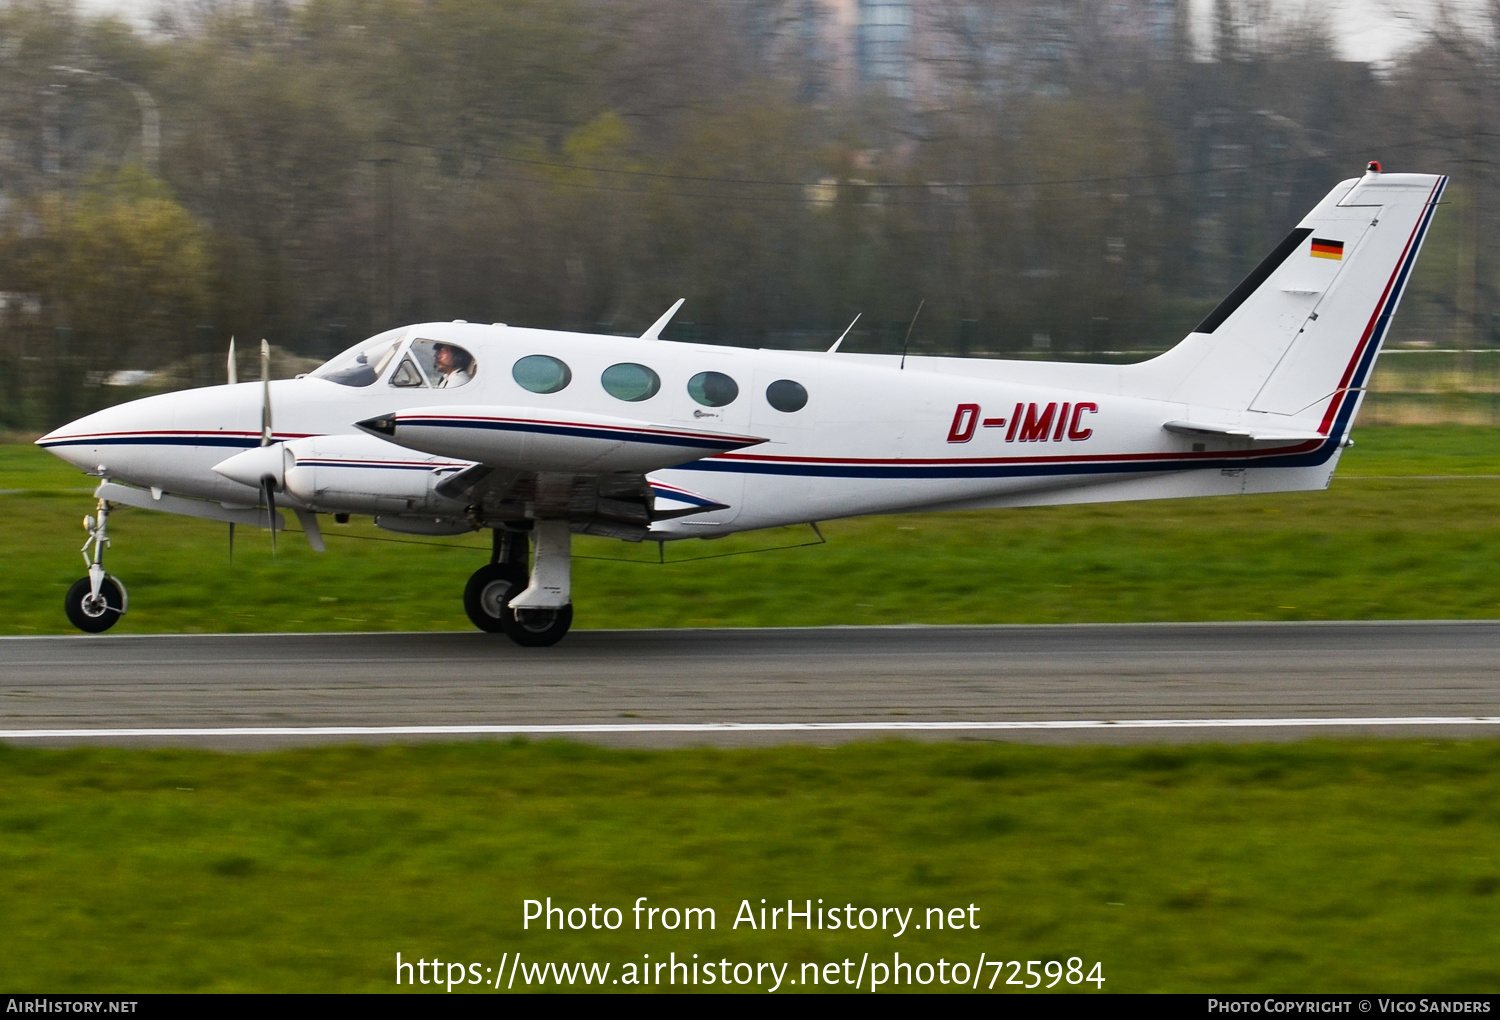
713 389
541 374
786 395
631 382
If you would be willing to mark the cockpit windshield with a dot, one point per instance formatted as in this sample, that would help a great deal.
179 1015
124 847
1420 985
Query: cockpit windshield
363 363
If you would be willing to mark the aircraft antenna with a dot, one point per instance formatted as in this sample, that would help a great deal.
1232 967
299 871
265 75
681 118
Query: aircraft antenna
844 333
909 328
654 333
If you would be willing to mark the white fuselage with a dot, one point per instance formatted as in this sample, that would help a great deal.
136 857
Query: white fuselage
873 436
442 428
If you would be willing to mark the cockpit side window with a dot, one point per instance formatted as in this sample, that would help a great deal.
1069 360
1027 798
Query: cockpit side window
363 363
442 365
408 373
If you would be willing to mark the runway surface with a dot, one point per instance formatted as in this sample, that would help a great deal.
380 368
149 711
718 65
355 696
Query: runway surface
1088 683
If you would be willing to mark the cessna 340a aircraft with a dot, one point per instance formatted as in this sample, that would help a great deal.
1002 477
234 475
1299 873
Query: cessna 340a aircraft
445 428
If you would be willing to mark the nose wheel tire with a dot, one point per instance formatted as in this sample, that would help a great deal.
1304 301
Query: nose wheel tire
488 594
95 614
537 628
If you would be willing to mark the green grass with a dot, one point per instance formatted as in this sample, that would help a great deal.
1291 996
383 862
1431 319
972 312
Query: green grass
1317 866
1386 541
1320 866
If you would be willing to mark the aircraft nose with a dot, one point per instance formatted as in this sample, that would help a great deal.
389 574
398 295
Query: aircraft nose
87 441
65 444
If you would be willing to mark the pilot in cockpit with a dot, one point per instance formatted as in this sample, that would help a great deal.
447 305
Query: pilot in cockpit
455 365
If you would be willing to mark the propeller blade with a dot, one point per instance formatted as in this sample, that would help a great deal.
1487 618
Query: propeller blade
234 369
310 528
266 432
231 543
268 486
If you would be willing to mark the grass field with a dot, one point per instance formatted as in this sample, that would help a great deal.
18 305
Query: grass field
1390 539
1358 866
1316 866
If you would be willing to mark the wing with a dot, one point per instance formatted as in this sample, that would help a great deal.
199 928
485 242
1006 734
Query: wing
532 464
528 439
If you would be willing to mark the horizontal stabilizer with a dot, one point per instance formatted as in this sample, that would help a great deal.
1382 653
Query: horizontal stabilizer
1254 434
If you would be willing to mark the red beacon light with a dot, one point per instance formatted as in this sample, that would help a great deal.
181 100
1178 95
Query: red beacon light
1374 167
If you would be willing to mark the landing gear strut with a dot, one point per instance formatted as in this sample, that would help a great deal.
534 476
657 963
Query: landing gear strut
95 603
531 607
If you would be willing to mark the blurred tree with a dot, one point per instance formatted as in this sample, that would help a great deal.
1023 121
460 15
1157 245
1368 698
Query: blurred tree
119 273
1072 171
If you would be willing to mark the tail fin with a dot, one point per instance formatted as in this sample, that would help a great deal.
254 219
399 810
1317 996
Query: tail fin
1299 336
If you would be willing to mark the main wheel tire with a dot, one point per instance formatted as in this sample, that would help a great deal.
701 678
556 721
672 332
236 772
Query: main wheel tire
538 628
489 592
95 615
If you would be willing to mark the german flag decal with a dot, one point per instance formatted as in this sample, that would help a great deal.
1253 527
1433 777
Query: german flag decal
1322 248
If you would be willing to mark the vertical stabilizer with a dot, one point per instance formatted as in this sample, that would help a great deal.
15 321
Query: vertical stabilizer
1298 338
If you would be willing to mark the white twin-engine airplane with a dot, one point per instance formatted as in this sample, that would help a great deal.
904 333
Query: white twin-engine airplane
445 428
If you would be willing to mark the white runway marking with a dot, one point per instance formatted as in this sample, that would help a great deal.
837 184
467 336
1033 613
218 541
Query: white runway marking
733 727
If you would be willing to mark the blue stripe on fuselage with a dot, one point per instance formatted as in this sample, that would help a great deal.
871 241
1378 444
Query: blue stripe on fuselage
233 441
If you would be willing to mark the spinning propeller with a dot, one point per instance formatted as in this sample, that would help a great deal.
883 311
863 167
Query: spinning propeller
233 378
268 466
267 437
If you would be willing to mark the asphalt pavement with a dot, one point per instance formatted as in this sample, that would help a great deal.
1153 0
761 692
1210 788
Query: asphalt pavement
1085 683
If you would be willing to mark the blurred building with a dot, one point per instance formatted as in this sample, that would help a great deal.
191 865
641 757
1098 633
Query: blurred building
925 51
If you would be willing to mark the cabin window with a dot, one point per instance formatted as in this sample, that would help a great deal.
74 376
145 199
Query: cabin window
713 389
540 373
631 382
786 395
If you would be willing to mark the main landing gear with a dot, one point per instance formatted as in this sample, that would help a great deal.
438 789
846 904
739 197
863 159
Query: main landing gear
95 603
530 606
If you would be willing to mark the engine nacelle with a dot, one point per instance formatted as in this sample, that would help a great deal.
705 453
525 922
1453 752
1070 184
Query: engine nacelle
351 473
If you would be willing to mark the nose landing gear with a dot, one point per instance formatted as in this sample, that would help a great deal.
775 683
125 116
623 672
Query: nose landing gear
95 603
493 590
